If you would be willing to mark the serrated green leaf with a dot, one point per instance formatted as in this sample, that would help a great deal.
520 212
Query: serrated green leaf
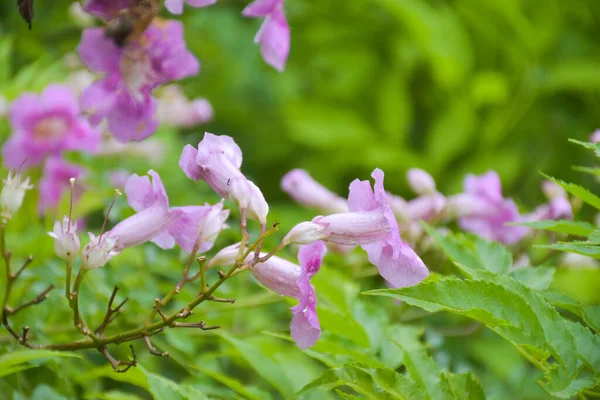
586 170
347 396
579 247
538 277
577 228
578 191
425 373
473 254
372 382
591 315
266 367
10 360
466 386
564 386
231 383
162 388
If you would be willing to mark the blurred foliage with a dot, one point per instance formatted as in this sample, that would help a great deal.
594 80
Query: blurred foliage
452 86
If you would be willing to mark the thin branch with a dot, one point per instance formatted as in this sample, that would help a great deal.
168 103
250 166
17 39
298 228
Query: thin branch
37 300
24 337
201 325
25 264
116 363
111 313
152 349
162 315
220 300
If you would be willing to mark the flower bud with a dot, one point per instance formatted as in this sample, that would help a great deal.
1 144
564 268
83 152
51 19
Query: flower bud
426 207
213 223
249 197
226 257
305 232
595 137
552 190
308 192
12 194
66 241
98 251
420 181
279 275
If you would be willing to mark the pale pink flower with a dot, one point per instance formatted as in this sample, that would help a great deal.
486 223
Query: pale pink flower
308 192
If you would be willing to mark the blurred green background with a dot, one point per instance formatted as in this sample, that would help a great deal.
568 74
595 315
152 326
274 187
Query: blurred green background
451 86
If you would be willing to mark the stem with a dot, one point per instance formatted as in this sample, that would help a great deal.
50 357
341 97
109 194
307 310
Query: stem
6 256
77 320
68 278
539 365
202 265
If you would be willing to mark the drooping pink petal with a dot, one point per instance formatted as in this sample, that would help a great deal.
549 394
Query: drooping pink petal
260 8
274 39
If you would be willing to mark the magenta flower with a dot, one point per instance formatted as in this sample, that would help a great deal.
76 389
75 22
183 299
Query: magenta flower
485 212
396 261
176 110
274 34
217 161
191 223
176 6
44 125
558 207
305 328
308 192
105 9
124 95
55 182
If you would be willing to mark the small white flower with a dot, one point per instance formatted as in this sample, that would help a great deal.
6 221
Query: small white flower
98 251
66 241
12 194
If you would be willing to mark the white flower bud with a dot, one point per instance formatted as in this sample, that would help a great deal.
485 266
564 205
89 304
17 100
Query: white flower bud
420 181
66 241
305 232
12 194
98 251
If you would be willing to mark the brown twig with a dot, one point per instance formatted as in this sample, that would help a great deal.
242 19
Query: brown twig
220 300
25 264
162 315
111 313
201 325
37 300
24 337
116 363
152 349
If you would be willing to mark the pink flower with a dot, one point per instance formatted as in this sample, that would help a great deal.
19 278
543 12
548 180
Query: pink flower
396 261
55 182
176 6
426 207
274 34
595 137
308 192
558 207
105 9
124 95
217 161
176 110
191 223
485 212
420 181
305 328
46 124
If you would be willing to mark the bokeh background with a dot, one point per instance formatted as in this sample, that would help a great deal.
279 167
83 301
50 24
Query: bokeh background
451 86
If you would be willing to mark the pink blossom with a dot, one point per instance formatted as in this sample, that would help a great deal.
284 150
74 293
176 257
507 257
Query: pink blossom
105 9
558 206
217 161
44 125
305 328
176 110
308 192
278 275
202 223
595 137
395 260
176 6
420 181
274 34
489 211
55 182
124 95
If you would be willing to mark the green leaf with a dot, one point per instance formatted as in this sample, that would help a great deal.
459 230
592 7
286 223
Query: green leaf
587 170
591 315
375 383
577 191
231 383
538 277
473 254
579 247
266 367
466 386
577 228
162 388
13 362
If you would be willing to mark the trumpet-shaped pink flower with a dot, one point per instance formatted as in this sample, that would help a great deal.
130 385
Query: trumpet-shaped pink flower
396 261
190 224
105 9
305 328
44 125
486 212
124 95
55 182
217 161
308 192
274 34
176 6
